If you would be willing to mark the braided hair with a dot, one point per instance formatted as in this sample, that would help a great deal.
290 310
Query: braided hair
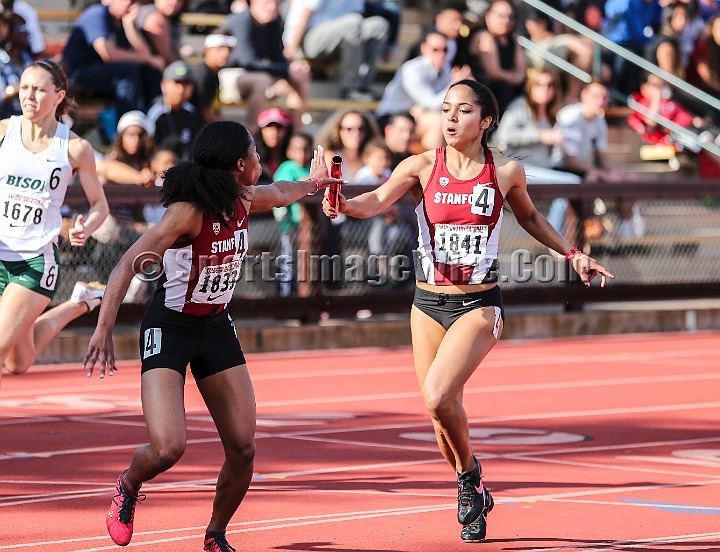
206 180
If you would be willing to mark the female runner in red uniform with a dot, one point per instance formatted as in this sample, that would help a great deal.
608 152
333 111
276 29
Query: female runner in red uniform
457 314
202 239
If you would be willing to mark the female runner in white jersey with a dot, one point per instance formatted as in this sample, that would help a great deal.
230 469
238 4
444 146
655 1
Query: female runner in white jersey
202 239
38 156
457 314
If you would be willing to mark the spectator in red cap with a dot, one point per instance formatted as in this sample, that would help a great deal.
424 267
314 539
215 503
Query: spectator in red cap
272 139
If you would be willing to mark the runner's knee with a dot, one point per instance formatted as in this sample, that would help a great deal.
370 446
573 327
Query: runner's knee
437 402
241 451
166 454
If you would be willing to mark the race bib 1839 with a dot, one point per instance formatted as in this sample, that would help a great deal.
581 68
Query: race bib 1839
216 283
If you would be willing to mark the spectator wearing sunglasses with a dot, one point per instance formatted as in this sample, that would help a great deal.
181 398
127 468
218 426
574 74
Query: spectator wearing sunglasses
419 86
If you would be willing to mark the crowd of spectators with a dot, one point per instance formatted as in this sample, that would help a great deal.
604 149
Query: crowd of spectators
133 53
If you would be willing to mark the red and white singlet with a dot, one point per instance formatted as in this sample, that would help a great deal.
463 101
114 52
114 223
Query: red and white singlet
459 223
200 276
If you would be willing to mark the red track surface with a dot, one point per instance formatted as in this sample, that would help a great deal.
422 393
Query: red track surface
609 443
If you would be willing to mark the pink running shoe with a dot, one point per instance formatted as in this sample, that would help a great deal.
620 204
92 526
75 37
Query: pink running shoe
216 542
122 510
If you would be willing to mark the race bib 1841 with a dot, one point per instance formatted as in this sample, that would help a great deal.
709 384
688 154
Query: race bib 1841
460 244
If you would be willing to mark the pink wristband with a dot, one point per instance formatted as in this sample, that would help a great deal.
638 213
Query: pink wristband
570 254
318 184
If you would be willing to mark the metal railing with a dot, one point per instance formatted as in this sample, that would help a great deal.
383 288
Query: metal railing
633 58
655 237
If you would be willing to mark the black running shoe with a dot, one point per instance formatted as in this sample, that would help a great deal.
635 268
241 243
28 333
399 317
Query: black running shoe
216 542
471 501
475 532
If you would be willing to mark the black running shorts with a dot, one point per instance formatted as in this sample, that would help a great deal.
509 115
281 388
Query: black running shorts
171 339
446 308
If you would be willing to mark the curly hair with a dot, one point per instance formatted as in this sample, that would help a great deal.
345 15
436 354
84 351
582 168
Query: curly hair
206 180
141 159
329 134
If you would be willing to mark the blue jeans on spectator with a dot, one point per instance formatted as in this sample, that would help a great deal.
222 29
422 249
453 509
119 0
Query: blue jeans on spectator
132 86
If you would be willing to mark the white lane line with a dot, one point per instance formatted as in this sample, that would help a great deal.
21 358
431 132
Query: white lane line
51 453
551 359
520 417
674 460
628 446
631 544
595 465
238 527
359 443
711 509
612 490
257 478
546 386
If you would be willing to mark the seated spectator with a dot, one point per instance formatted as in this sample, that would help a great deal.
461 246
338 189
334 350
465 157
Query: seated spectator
217 48
164 157
258 69
693 29
526 130
631 24
173 116
419 86
664 50
299 154
159 23
704 66
585 135
376 158
572 48
585 149
391 237
399 133
449 22
36 40
502 62
390 12
272 140
655 94
111 59
128 161
325 28
14 59
347 133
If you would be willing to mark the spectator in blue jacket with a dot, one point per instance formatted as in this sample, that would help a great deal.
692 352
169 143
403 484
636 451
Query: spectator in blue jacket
106 55
631 24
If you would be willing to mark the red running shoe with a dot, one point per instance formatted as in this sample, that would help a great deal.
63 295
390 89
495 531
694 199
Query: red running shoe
122 510
216 542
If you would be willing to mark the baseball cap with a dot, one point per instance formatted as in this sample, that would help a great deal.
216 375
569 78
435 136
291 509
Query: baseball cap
215 40
132 118
274 115
177 71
